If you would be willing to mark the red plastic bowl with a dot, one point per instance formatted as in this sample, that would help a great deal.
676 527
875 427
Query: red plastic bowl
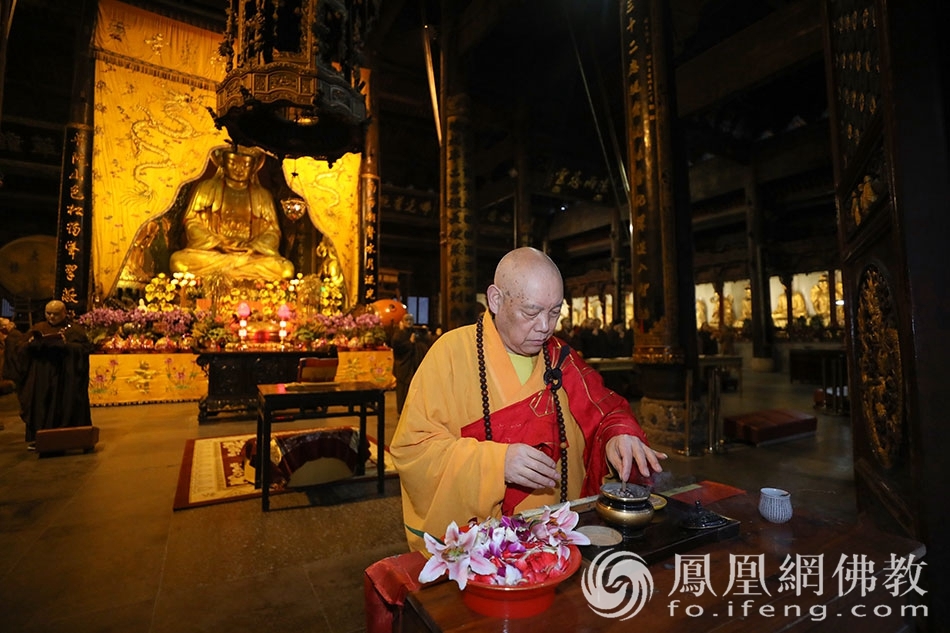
519 601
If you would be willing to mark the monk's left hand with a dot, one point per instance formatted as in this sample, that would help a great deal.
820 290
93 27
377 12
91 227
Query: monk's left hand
623 450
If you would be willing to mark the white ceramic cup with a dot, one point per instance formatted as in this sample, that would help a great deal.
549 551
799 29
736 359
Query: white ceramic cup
775 505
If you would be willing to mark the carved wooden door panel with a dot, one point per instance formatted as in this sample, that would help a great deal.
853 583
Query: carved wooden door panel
887 101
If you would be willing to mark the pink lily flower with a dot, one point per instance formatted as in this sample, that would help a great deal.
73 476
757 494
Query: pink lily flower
509 551
561 524
457 556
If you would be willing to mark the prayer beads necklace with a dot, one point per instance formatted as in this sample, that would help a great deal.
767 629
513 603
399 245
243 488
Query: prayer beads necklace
552 377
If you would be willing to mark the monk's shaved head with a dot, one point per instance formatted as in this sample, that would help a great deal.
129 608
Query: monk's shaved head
55 312
524 266
526 299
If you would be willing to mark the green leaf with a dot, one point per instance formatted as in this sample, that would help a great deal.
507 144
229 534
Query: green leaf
422 534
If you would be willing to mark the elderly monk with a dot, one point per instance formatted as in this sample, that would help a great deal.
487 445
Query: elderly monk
55 390
231 223
11 374
502 417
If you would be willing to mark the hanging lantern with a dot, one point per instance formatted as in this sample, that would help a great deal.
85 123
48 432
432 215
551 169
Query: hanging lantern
294 206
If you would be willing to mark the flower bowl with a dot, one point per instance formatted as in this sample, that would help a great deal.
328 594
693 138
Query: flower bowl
518 601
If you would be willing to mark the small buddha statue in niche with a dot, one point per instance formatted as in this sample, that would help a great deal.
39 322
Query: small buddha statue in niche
231 224
839 297
333 292
136 269
730 313
799 308
701 314
821 299
747 304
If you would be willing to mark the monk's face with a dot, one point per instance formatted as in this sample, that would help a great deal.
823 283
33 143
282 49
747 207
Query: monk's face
55 313
527 310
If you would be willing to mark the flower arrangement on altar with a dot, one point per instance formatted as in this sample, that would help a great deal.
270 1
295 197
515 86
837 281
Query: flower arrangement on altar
183 313
138 330
341 331
172 329
163 293
210 332
510 551
266 298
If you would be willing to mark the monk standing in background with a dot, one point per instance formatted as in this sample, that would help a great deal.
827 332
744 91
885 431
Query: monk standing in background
408 352
55 392
11 376
501 417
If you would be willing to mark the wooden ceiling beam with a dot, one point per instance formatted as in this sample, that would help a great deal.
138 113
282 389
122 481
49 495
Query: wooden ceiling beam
581 219
485 160
783 156
494 192
595 248
387 16
478 20
702 260
750 57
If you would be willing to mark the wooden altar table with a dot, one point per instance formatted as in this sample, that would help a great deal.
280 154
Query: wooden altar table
233 377
147 378
439 607
221 382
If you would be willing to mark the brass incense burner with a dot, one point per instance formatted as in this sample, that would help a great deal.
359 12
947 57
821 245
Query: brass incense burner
625 505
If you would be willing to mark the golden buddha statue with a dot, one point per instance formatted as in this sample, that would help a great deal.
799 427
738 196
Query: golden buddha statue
799 308
821 299
701 314
747 304
231 224
730 316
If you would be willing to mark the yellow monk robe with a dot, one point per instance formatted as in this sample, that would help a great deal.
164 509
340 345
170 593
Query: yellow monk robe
447 476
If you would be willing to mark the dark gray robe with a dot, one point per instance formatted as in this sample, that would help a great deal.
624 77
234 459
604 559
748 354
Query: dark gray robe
55 392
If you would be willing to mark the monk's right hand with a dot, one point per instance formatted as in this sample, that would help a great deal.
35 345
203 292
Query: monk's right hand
527 466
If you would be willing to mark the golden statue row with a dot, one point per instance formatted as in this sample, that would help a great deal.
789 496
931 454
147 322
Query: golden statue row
820 300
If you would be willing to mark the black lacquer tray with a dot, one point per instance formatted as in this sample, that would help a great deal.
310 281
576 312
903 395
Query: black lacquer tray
676 529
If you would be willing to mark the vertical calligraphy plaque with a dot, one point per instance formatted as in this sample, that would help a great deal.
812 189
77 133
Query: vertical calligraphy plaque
75 219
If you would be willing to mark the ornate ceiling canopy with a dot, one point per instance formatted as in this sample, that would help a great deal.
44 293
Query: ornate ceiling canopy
293 85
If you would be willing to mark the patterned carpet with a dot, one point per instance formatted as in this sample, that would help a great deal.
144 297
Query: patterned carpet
218 469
